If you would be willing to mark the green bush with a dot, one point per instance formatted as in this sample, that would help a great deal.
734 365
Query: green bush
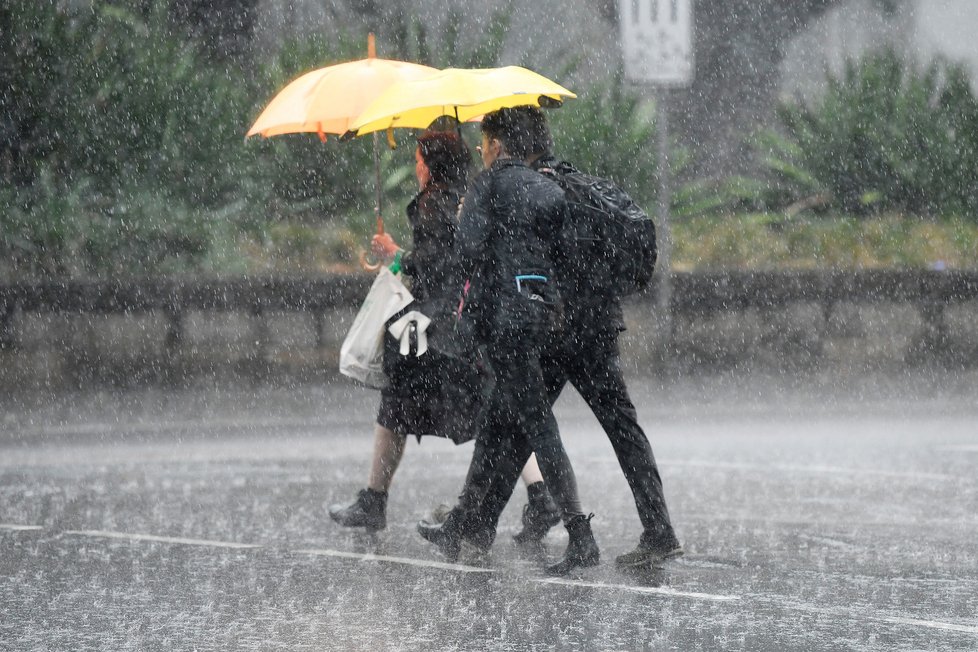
124 143
43 228
124 151
885 136
748 241
610 132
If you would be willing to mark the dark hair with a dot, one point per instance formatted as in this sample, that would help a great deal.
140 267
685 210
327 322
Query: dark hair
542 143
512 127
446 155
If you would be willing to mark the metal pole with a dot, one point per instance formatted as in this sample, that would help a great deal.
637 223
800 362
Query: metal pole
664 232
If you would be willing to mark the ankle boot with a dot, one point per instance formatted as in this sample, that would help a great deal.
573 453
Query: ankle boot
369 510
582 550
653 549
446 535
539 515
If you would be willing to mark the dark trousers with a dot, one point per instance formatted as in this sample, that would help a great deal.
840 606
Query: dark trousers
593 368
519 422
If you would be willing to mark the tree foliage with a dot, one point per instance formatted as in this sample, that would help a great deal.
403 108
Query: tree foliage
885 136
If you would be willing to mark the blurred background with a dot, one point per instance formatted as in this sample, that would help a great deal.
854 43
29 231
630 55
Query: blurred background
809 128
817 137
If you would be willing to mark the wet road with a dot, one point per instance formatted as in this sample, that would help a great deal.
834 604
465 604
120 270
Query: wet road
823 515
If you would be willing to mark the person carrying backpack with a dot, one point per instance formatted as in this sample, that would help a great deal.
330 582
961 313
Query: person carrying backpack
507 235
596 269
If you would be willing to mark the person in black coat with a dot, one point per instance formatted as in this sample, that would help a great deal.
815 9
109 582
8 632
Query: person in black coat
508 229
588 357
411 403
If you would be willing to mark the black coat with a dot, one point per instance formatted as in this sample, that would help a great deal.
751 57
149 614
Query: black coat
431 263
433 394
508 227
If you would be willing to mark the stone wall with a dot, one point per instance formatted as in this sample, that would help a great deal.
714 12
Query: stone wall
739 328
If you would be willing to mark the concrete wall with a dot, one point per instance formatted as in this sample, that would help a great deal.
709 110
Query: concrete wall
64 350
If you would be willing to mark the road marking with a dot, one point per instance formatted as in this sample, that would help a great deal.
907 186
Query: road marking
801 468
930 624
103 428
128 536
829 541
895 620
19 528
657 590
407 561
648 590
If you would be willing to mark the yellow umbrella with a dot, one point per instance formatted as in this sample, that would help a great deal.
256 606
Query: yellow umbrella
327 100
463 93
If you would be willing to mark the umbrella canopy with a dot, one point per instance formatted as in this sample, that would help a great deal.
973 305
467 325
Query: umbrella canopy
328 100
463 93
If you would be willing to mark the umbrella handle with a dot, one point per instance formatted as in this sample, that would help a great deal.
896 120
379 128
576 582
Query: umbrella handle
367 264
365 261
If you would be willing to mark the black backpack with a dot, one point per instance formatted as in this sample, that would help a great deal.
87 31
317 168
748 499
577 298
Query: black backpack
608 242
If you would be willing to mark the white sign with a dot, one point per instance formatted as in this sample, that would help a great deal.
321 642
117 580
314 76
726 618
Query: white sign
657 40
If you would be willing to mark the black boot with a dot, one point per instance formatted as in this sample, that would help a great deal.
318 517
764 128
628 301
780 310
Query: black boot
652 549
539 514
477 531
582 550
369 511
446 535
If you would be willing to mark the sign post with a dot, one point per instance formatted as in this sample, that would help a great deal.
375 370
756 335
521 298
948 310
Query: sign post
657 48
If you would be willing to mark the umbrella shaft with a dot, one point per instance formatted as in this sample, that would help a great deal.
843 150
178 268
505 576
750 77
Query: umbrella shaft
377 194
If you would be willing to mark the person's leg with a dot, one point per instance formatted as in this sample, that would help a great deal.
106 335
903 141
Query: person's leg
597 376
388 452
526 404
534 417
540 512
369 508
531 472
502 447
495 455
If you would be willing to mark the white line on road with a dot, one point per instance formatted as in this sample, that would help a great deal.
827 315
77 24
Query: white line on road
648 590
475 569
103 428
801 468
19 528
424 563
406 561
930 624
657 590
895 620
104 534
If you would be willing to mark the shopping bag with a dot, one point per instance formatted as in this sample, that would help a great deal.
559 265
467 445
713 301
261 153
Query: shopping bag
362 352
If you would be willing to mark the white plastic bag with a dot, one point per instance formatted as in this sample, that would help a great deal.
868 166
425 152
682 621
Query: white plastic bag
362 353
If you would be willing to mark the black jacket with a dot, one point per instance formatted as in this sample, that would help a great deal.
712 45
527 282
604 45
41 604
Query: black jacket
431 263
508 227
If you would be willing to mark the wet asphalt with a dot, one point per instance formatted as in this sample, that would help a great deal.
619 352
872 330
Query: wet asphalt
816 514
